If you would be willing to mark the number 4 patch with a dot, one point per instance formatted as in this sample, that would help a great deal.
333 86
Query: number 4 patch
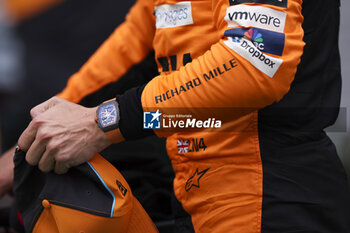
191 145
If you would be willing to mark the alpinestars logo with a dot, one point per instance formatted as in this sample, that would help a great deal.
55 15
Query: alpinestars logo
266 64
193 181
255 16
280 3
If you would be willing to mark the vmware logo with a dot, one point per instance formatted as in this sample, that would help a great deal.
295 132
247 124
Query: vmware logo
255 16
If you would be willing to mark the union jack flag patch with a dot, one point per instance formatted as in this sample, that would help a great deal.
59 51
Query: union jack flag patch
182 145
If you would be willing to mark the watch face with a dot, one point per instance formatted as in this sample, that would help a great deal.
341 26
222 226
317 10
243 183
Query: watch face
107 115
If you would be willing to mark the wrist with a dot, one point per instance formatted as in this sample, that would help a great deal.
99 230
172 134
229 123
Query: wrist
100 136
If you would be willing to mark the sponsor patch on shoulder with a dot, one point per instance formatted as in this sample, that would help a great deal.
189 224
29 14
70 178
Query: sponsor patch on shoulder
173 15
255 16
266 41
280 3
245 48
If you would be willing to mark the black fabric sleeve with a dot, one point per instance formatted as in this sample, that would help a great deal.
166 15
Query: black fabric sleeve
131 114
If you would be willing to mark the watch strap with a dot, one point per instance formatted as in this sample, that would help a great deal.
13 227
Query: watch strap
115 136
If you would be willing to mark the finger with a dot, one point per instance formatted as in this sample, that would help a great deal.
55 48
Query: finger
47 161
37 110
28 136
36 151
61 168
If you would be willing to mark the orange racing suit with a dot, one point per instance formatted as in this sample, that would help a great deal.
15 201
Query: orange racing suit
231 54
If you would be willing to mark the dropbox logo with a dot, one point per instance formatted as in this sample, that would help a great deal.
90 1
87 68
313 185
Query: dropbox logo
151 120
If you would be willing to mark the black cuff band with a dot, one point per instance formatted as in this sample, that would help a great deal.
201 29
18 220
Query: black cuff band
131 114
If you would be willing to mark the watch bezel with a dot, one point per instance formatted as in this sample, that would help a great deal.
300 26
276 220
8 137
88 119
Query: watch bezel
98 120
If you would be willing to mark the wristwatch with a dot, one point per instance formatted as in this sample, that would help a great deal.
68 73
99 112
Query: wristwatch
108 117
